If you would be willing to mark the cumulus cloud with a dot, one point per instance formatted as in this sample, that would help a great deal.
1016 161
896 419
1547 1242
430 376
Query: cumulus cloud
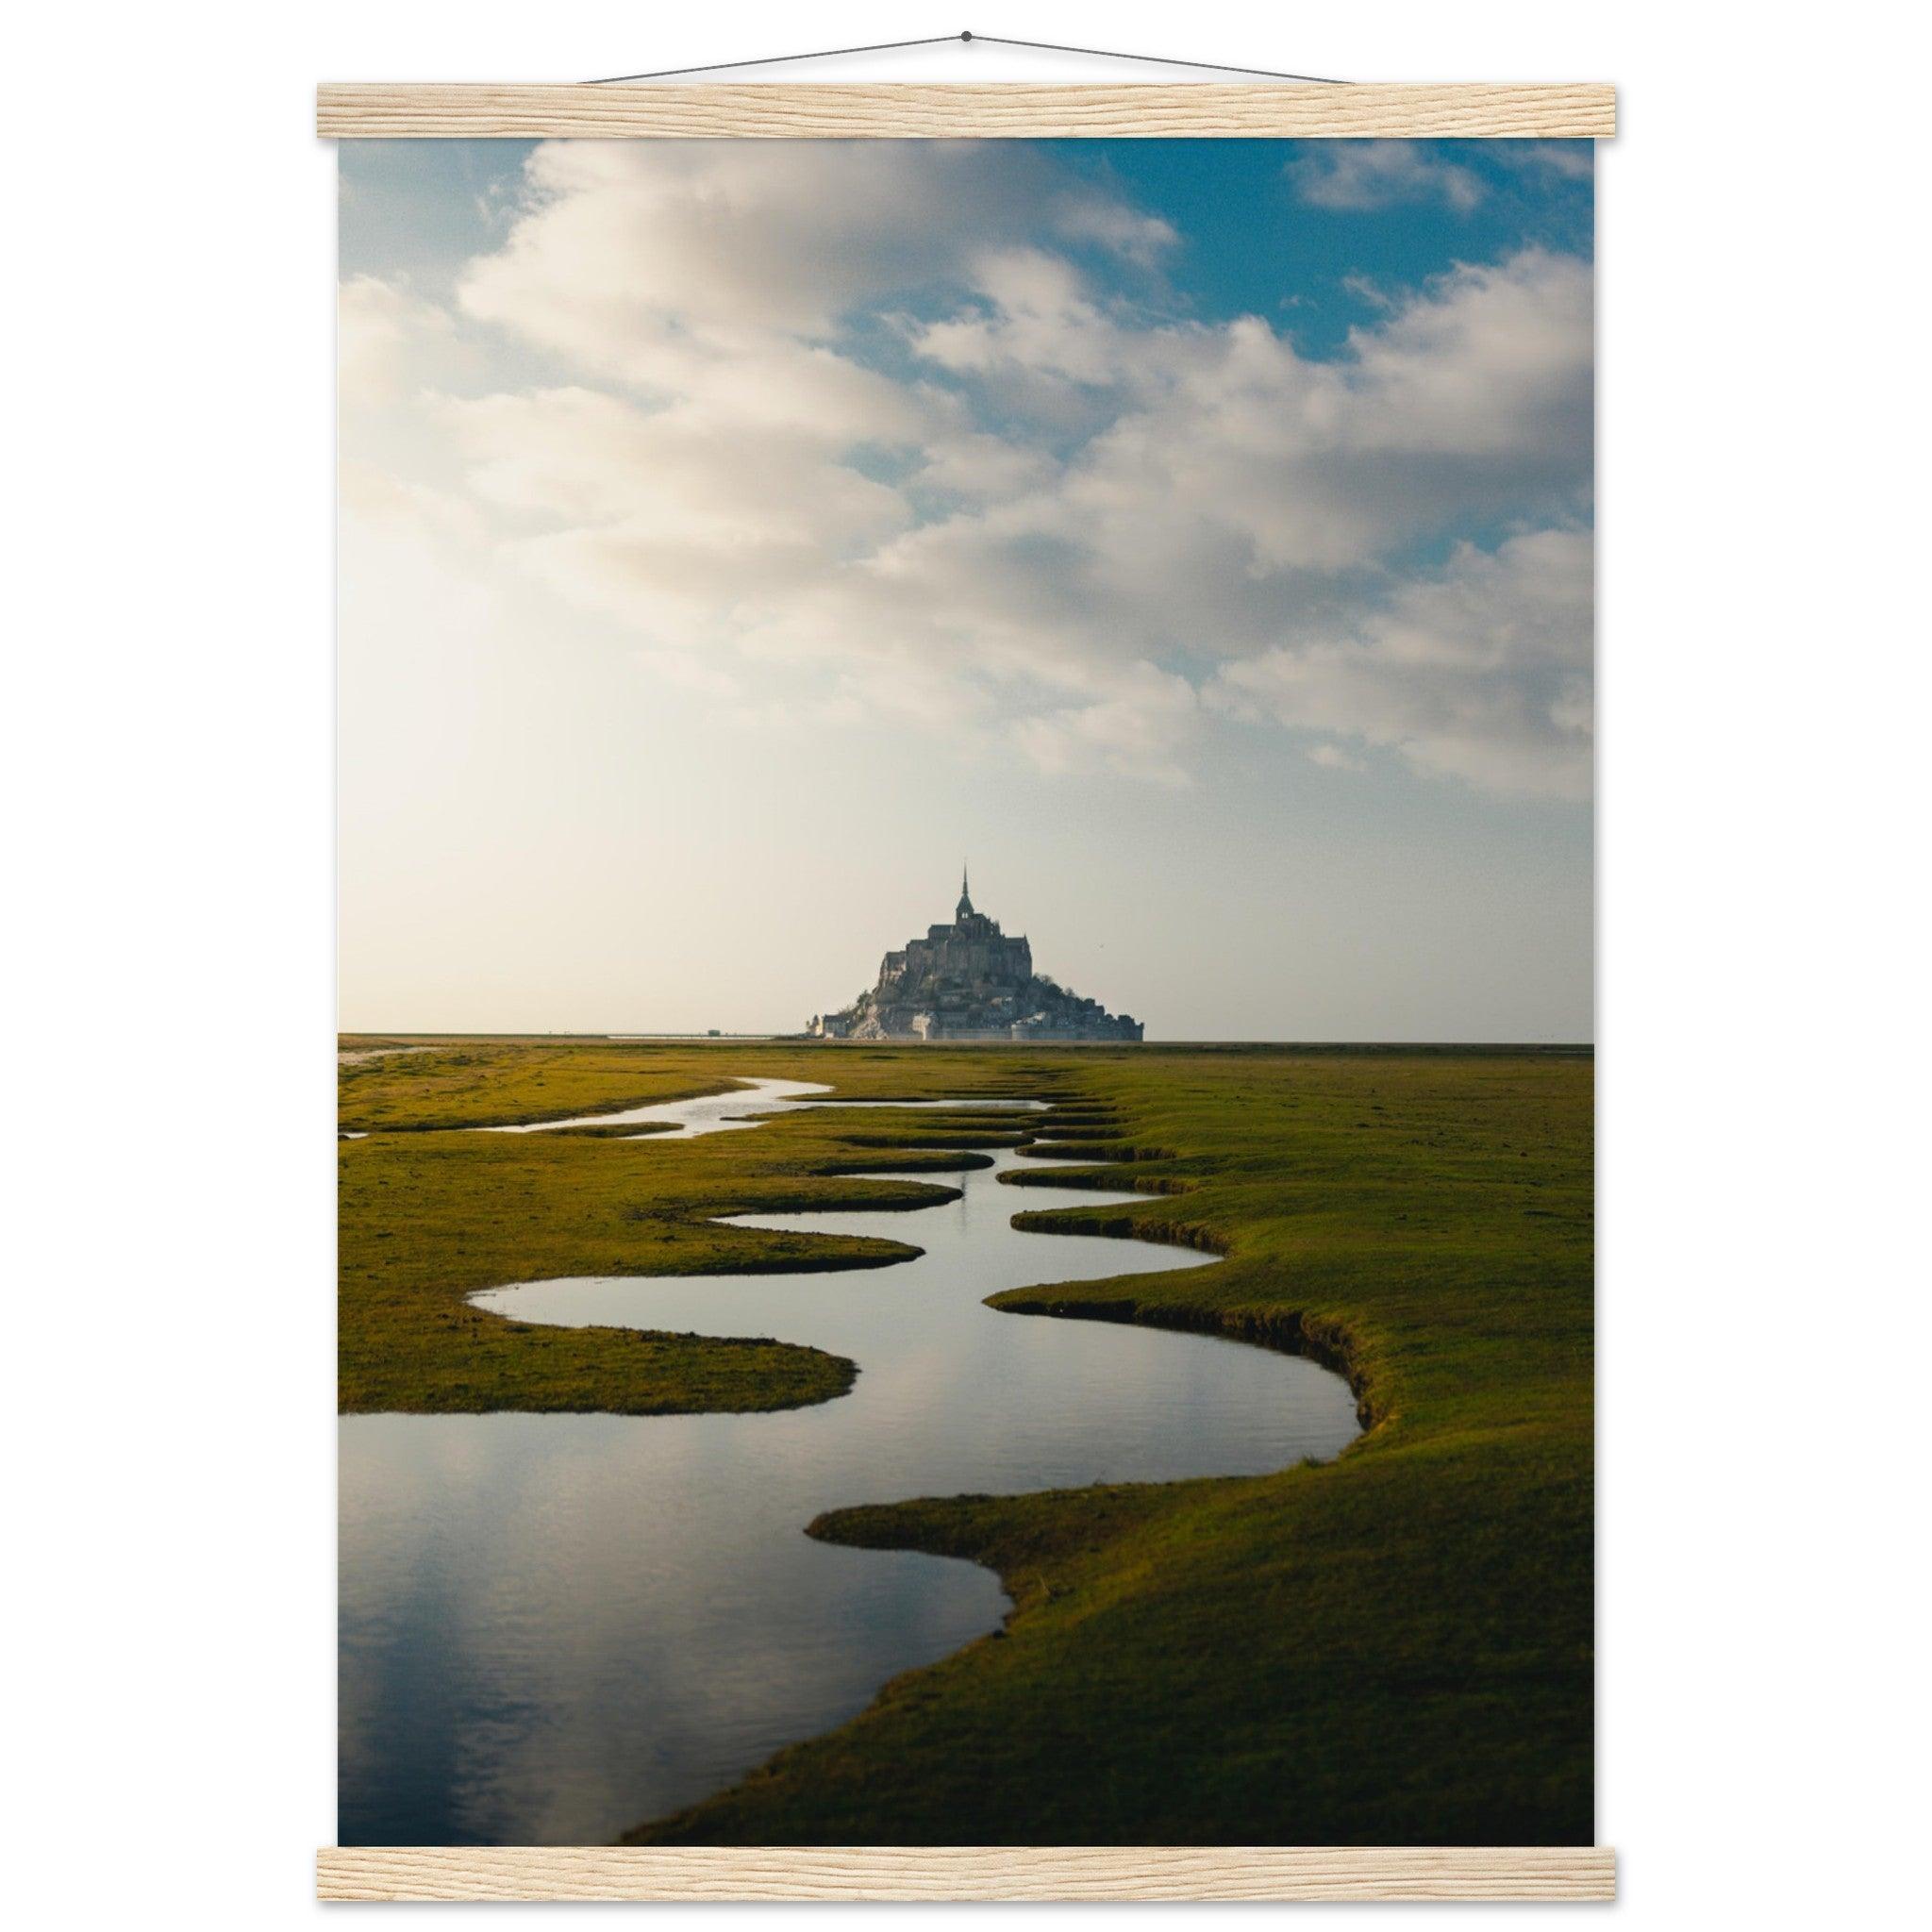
1481 671
722 270
1570 160
916 433
1144 727
1360 175
390 342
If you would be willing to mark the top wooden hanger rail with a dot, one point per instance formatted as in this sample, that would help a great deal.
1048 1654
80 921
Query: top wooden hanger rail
995 110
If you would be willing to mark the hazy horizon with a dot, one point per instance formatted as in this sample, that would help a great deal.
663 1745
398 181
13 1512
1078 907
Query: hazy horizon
1195 535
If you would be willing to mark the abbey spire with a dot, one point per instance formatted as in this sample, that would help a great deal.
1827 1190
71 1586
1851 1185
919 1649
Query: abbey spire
965 908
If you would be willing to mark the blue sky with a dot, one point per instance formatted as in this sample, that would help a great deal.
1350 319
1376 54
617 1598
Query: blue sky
1248 242
1196 524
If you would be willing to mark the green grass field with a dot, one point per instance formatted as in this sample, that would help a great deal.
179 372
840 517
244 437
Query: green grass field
429 1214
1392 1648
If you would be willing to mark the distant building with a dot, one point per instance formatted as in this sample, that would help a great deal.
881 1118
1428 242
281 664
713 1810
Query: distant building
968 981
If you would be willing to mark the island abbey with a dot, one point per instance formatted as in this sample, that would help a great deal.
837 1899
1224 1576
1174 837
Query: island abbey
969 981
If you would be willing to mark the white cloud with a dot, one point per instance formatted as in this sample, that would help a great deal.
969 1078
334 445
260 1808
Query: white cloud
1571 161
1365 289
1481 671
1359 176
873 440
975 465
720 270
390 342
1036 318
1144 728
374 494
1333 758
578 458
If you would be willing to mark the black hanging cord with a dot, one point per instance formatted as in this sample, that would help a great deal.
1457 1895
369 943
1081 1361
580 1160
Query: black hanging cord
771 60
943 40
1109 54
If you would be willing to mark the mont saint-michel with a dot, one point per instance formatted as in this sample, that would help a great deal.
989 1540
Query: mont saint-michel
969 981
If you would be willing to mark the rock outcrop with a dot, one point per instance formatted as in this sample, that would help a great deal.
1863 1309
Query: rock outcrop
969 981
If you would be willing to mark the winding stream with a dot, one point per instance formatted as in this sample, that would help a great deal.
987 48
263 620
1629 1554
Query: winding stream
554 1626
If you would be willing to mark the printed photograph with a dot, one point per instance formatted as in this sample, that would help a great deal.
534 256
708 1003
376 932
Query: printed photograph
966 998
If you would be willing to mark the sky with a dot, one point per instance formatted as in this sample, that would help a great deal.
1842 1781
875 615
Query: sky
1194 534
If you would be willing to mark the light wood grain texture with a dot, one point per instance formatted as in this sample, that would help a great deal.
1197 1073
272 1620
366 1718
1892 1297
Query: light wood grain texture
347 111
820 1873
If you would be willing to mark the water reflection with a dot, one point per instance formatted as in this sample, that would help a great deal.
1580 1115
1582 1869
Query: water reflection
554 1626
710 1113
748 1105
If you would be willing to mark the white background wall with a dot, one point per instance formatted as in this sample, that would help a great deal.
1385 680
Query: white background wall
167 774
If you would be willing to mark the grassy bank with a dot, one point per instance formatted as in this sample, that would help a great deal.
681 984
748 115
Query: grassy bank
1392 1648
418 1085
428 1215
